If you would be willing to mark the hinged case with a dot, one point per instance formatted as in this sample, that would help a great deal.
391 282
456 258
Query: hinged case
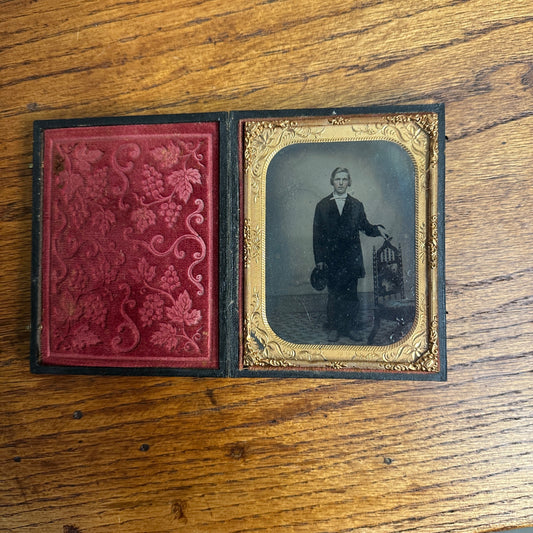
185 244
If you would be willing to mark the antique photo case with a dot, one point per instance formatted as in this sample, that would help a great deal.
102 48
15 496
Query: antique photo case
288 243
342 243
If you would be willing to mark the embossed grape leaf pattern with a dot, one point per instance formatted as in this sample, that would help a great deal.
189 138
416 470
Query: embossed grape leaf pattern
167 155
183 180
164 302
126 251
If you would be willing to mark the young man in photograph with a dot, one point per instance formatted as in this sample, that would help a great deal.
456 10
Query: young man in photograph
338 220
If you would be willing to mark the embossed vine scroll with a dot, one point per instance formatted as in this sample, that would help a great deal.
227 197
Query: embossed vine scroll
374 239
128 266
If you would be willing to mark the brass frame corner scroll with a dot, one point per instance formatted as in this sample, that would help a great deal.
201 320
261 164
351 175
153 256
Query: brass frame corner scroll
417 351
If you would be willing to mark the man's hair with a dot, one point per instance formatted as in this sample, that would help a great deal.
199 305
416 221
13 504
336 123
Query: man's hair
338 170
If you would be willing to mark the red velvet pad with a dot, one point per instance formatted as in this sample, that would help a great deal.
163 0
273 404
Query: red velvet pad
129 265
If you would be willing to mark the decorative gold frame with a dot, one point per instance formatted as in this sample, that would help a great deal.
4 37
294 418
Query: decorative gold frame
262 348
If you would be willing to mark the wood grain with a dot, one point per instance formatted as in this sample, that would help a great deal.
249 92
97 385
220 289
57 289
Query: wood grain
106 454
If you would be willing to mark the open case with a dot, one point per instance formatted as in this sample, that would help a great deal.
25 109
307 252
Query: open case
188 244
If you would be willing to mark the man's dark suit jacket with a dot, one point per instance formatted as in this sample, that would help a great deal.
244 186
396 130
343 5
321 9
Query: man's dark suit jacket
336 239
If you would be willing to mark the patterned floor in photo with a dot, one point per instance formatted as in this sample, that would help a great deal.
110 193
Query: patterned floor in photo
301 319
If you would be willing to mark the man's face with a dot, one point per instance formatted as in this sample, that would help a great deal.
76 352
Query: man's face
340 182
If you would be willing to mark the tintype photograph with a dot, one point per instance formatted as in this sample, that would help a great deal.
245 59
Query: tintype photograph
340 243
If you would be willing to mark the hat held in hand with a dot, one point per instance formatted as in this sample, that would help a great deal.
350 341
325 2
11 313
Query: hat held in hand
319 278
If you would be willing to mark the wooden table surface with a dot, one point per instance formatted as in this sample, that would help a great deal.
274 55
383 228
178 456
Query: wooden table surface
135 454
